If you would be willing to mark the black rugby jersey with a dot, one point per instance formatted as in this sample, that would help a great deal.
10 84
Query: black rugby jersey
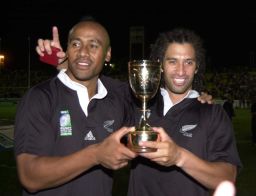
50 122
203 129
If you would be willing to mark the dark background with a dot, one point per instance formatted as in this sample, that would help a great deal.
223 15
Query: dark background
229 32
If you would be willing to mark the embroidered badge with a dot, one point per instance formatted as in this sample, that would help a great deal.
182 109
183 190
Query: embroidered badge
185 128
65 123
108 125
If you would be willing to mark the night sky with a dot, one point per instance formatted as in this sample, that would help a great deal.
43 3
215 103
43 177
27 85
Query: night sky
229 34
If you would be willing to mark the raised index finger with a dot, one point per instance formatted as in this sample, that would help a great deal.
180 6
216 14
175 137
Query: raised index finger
55 37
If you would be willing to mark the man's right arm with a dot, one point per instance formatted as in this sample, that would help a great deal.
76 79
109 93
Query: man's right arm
41 172
34 138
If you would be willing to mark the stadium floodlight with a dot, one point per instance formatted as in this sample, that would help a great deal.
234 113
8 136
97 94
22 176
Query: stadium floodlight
1 60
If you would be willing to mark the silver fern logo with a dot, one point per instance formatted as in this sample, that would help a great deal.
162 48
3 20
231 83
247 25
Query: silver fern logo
108 125
185 128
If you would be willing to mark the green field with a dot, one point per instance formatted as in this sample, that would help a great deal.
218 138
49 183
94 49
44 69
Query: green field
7 113
247 177
9 185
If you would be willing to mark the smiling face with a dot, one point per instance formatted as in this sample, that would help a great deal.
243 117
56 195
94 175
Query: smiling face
88 48
179 66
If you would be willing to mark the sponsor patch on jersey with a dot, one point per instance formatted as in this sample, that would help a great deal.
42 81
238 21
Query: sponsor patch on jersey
186 128
65 123
89 136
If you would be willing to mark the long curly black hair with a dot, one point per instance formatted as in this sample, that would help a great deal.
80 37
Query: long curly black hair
182 35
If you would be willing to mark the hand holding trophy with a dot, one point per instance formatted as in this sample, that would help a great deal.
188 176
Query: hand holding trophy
144 79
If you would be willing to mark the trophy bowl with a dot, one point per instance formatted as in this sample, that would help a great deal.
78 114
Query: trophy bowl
144 79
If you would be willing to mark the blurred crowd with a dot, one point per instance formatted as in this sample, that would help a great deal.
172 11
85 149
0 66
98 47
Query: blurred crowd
239 86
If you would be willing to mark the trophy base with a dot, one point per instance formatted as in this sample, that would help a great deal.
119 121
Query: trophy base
142 149
136 136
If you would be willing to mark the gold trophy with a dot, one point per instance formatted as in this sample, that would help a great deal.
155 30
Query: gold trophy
144 79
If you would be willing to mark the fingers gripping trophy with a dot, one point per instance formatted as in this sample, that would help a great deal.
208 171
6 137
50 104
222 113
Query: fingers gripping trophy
144 79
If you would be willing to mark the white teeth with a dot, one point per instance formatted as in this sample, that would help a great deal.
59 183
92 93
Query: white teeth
83 64
179 81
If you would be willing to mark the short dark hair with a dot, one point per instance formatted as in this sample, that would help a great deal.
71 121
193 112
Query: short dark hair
88 18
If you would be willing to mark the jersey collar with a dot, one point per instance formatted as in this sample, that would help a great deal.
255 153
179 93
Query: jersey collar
168 102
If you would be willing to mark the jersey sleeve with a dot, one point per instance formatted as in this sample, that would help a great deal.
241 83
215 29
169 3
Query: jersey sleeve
33 131
221 139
